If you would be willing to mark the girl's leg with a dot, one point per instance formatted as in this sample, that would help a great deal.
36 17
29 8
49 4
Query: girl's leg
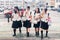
14 30
41 34
20 29
28 30
46 33
37 31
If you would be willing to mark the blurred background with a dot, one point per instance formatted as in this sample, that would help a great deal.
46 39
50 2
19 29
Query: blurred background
9 4
52 5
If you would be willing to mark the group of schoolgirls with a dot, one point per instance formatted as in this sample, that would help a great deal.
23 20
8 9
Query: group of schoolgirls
40 21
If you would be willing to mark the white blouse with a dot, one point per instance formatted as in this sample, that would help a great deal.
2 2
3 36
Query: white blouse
36 16
45 17
26 15
16 17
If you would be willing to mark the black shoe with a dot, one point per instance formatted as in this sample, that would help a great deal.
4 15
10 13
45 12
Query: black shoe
27 34
14 35
46 34
37 34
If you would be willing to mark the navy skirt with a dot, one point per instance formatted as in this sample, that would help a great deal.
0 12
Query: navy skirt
27 24
16 24
44 25
37 25
19 23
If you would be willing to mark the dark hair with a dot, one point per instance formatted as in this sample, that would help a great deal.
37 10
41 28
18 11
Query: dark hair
28 7
38 10
45 10
48 14
16 7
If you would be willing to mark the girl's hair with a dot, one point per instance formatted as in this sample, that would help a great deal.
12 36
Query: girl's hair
38 10
16 8
28 7
45 10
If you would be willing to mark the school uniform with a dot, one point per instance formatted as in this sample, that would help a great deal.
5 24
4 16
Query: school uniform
27 22
36 22
44 22
16 21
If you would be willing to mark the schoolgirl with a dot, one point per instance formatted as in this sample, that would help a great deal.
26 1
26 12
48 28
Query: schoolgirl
16 21
44 22
37 21
27 22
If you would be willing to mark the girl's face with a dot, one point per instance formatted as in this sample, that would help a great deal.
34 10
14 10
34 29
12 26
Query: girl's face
28 8
36 9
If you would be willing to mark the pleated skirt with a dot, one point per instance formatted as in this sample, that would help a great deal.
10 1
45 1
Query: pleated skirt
36 25
16 24
44 25
27 24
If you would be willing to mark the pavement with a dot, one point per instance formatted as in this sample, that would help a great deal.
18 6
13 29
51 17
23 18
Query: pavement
6 31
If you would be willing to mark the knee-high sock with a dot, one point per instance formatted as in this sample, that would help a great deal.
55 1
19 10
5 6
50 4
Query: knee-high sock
20 30
41 34
14 31
46 33
27 34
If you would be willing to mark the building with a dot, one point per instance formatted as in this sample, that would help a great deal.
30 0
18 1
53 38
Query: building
50 2
57 3
12 3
